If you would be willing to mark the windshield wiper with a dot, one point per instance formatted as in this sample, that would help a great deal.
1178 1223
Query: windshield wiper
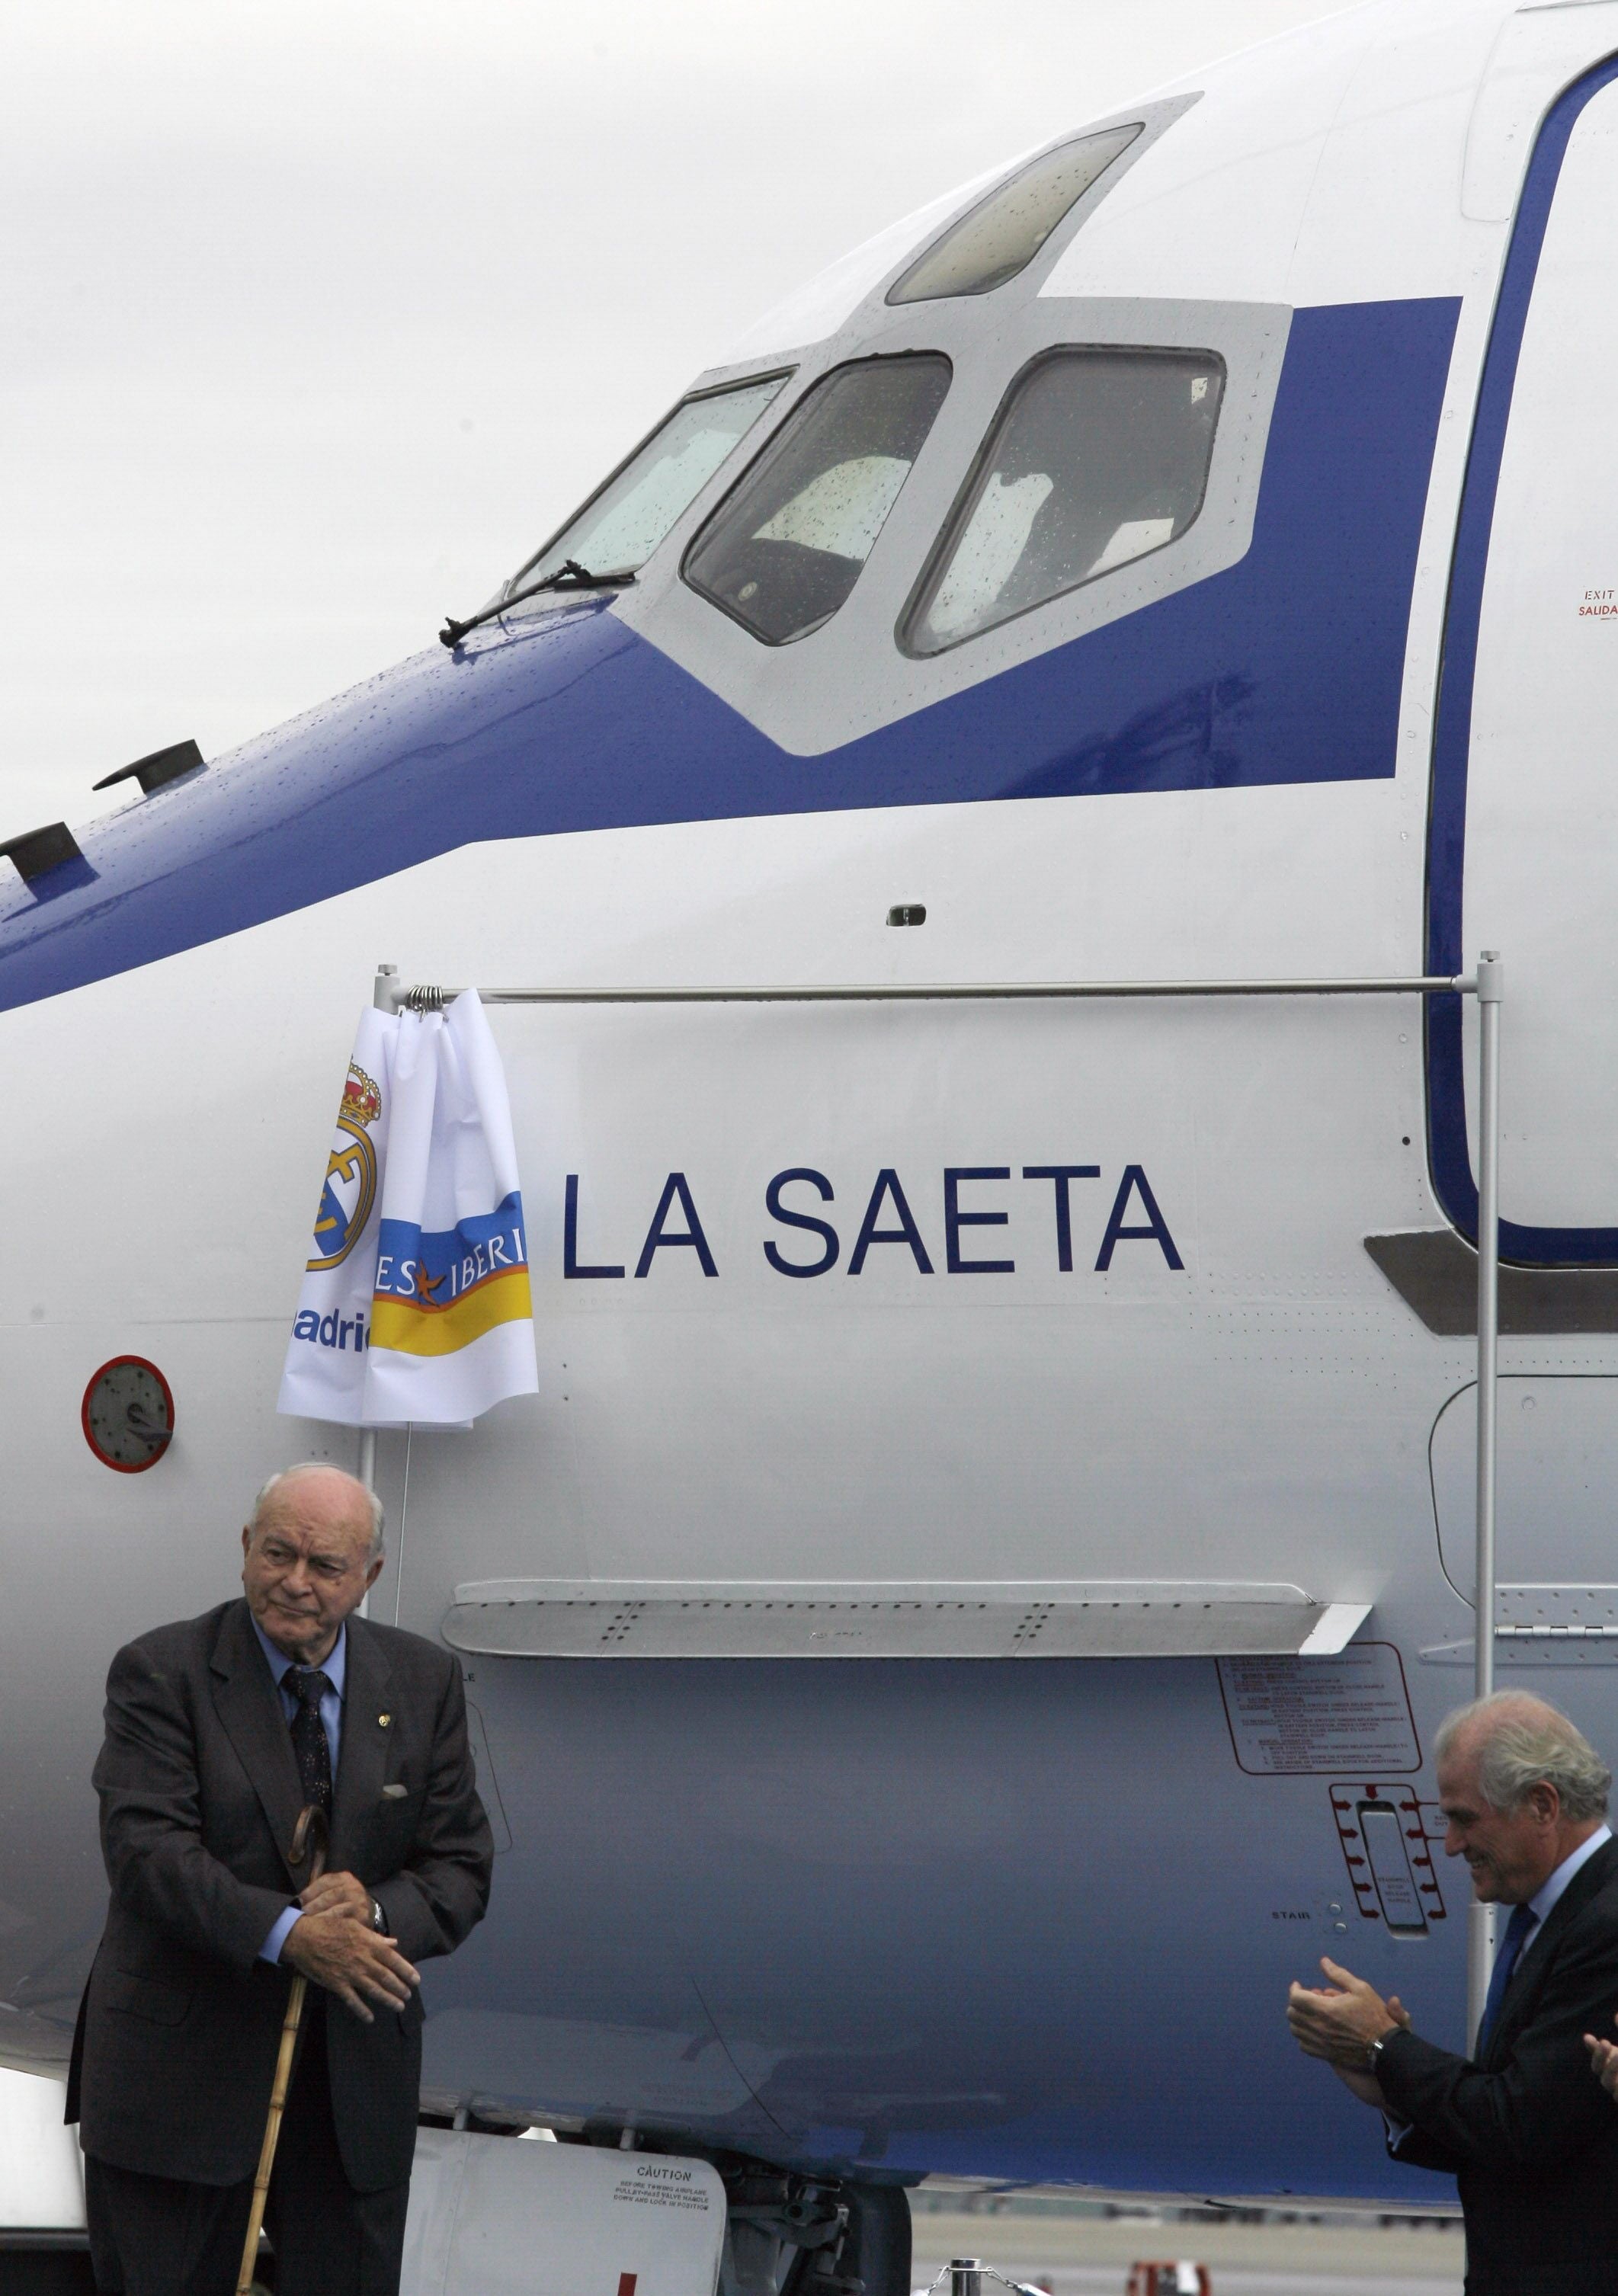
569 575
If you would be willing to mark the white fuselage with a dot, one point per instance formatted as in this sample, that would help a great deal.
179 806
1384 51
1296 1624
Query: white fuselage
940 1911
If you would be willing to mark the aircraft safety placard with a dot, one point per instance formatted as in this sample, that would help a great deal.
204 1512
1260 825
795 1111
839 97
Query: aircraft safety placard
1299 1716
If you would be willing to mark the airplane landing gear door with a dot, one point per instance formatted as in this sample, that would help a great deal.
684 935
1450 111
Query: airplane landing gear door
1525 793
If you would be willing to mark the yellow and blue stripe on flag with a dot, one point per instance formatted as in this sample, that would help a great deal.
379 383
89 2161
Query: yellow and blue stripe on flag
439 1290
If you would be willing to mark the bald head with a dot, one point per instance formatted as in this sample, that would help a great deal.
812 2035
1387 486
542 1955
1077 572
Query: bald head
342 1492
310 1554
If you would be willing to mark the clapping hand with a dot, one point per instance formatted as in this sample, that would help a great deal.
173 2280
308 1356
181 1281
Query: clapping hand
1337 2023
1603 2061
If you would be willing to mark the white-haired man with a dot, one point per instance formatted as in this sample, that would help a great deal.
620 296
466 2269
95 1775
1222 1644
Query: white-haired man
219 1731
1520 2124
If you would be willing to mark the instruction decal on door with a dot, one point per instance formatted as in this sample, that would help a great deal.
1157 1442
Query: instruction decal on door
1300 1716
656 2187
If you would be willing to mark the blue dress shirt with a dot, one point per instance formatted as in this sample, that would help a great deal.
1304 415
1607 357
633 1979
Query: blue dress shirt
335 1668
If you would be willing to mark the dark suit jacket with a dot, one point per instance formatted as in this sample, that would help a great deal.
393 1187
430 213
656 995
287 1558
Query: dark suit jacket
1527 2130
180 2022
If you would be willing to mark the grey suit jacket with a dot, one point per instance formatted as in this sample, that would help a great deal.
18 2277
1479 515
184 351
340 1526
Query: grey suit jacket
180 2022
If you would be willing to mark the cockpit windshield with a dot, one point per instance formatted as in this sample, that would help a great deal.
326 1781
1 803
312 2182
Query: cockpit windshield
620 527
784 552
1097 458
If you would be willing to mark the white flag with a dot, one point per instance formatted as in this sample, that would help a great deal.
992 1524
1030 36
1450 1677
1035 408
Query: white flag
420 1312
452 1321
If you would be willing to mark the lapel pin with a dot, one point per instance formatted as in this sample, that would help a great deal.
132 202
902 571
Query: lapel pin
384 1719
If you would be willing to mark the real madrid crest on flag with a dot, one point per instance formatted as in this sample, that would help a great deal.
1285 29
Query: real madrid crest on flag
325 1364
416 1304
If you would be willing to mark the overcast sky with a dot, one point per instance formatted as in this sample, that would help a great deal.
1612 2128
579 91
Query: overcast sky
318 317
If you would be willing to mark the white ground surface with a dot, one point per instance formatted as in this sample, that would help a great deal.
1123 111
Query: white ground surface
41 2181
1077 2256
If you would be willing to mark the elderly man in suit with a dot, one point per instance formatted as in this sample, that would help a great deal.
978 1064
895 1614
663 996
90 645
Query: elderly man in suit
219 1730
1528 2135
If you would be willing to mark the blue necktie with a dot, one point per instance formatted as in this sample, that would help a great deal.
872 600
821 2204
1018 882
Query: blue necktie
1518 1929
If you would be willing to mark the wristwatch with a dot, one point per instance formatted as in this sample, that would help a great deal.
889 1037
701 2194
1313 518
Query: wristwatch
379 1921
1373 2051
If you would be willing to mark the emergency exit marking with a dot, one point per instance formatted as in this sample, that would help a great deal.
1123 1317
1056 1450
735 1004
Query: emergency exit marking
1290 1716
1388 1858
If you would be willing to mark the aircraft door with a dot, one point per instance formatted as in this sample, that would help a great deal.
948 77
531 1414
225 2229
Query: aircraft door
1524 854
1558 1524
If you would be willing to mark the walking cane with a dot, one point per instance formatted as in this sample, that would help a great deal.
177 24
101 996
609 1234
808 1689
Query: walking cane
309 1846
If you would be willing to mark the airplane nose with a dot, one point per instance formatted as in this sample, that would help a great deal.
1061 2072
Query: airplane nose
567 719
547 727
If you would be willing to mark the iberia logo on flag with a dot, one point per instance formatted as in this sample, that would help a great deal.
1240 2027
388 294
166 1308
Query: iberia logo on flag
416 1304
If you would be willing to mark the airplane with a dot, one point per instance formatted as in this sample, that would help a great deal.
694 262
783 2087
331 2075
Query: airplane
964 1622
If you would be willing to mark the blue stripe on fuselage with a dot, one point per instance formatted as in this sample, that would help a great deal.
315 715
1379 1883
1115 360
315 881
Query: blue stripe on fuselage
1286 668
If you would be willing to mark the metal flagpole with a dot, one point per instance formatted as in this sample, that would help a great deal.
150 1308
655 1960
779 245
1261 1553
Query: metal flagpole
424 998
382 998
1491 983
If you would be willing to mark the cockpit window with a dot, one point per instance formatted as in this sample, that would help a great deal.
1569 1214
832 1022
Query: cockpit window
784 552
1096 458
1003 234
618 531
